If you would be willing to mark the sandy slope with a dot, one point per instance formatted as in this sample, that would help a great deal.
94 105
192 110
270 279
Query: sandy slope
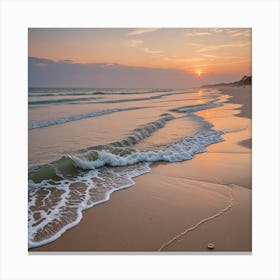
175 197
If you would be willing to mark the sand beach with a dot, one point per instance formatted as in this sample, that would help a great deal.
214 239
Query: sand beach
180 206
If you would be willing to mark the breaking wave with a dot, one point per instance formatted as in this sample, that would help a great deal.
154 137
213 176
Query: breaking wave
61 190
40 124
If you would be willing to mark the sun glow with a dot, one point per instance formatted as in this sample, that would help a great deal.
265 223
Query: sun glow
198 72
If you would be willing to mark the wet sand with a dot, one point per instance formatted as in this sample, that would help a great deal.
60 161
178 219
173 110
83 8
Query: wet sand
241 95
210 193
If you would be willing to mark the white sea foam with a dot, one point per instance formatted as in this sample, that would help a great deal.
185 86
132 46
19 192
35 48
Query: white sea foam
183 150
93 99
55 206
69 92
196 108
60 212
45 123
62 205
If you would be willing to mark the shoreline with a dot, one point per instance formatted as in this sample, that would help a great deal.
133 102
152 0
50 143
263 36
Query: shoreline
153 211
246 109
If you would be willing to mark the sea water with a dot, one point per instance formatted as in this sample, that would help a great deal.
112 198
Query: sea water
85 144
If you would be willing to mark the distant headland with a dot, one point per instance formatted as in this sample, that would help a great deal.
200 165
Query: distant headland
246 80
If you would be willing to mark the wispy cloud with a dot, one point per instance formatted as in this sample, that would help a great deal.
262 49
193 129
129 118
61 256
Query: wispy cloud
147 50
192 32
195 44
68 60
139 44
234 32
218 30
184 60
138 31
209 55
217 47
197 33
244 33
222 63
39 62
136 43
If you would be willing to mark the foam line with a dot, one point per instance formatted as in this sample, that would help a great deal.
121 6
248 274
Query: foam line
55 220
41 124
82 99
94 92
180 151
183 233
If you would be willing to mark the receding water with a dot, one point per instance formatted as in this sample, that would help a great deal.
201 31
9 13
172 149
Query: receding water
85 144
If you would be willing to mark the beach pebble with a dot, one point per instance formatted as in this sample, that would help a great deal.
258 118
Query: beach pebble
211 246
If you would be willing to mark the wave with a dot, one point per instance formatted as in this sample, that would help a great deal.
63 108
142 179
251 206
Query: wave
57 101
56 92
61 190
181 151
113 154
61 201
35 94
132 99
196 108
53 209
41 124
65 166
89 99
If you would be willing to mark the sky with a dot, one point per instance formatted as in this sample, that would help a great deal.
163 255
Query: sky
137 57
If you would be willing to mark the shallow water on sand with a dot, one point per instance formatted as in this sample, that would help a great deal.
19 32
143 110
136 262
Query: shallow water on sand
84 145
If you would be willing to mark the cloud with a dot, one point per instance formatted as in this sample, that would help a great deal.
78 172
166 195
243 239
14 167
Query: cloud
223 63
195 44
184 60
113 75
218 30
217 47
209 55
68 60
147 50
244 33
38 62
234 32
138 31
204 31
71 74
136 43
139 44
197 33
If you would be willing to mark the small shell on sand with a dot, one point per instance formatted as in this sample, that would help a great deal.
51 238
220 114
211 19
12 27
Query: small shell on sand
211 246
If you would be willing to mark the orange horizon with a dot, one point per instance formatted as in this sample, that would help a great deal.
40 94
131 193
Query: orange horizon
210 50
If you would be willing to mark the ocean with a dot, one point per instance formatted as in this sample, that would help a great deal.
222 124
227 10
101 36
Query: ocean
84 144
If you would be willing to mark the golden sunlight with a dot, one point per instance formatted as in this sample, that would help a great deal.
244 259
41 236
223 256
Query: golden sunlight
198 73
